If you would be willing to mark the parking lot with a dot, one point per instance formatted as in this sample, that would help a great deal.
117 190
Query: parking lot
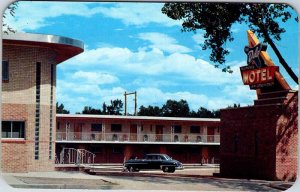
190 179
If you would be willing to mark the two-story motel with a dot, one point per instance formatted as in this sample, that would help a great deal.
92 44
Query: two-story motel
30 133
115 138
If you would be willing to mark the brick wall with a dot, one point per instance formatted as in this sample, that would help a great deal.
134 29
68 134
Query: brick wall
19 103
287 140
260 141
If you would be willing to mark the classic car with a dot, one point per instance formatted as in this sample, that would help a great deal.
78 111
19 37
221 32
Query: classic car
153 161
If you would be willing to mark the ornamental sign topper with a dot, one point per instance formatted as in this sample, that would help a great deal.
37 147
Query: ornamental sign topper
253 54
256 74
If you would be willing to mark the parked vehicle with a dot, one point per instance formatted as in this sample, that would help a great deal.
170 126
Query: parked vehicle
153 161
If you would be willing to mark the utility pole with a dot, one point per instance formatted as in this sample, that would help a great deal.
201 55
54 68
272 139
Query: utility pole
135 101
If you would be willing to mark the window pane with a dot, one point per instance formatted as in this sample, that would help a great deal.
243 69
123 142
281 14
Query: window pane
6 132
195 129
117 150
96 127
116 127
5 73
177 129
18 130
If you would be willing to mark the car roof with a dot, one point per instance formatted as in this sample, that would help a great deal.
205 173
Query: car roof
155 154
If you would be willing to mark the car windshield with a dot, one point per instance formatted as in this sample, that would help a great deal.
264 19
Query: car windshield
167 157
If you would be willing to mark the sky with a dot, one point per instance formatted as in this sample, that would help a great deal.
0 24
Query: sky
134 47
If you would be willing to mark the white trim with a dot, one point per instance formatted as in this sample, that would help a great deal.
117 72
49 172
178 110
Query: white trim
143 143
138 117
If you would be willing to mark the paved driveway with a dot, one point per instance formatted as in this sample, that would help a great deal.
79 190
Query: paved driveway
150 180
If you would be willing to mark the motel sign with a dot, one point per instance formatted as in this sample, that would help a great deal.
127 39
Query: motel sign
256 74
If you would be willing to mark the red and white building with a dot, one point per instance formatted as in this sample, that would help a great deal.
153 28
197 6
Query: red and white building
114 139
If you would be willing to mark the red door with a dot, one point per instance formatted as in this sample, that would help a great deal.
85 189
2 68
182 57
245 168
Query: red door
159 132
133 132
210 134
77 132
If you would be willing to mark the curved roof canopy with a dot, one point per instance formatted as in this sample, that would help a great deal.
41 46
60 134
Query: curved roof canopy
64 47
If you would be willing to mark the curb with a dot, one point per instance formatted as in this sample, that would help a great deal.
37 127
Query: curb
139 174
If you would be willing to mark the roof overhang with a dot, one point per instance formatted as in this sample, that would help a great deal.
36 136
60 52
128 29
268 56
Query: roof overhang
137 118
64 47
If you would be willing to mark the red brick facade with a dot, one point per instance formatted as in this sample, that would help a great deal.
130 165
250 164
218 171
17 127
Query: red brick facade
19 104
24 103
260 141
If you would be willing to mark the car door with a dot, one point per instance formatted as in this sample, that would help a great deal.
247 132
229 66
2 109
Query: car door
156 162
148 162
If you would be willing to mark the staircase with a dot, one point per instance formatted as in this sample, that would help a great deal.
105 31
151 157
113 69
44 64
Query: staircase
75 157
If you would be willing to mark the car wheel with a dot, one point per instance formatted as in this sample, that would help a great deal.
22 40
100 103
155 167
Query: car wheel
172 169
131 169
165 169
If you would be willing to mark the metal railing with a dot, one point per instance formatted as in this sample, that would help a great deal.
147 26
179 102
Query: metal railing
132 137
75 156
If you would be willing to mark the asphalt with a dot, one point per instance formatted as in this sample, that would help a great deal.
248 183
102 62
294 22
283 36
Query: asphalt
115 178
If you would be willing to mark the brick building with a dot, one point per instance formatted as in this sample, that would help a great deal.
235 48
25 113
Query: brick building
114 139
28 99
260 141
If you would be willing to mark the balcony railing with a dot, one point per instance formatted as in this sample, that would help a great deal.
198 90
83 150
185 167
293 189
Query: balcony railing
131 137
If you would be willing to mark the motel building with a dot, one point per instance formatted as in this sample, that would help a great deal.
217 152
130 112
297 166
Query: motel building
114 138
28 99
34 138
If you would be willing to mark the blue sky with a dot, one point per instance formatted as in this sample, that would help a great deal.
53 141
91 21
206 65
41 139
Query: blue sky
134 47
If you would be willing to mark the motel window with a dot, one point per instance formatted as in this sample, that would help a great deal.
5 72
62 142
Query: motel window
13 129
177 129
117 150
96 148
116 127
5 74
96 127
195 129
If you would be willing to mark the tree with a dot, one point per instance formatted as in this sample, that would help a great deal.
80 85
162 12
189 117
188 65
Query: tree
115 107
216 20
234 106
205 113
60 109
11 10
90 110
150 111
174 108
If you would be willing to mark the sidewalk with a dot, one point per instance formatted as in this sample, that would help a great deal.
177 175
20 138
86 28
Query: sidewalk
56 180
119 180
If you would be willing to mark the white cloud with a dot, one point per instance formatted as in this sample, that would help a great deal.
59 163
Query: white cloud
153 62
163 42
71 87
34 15
138 14
156 97
75 95
198 38
95 77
